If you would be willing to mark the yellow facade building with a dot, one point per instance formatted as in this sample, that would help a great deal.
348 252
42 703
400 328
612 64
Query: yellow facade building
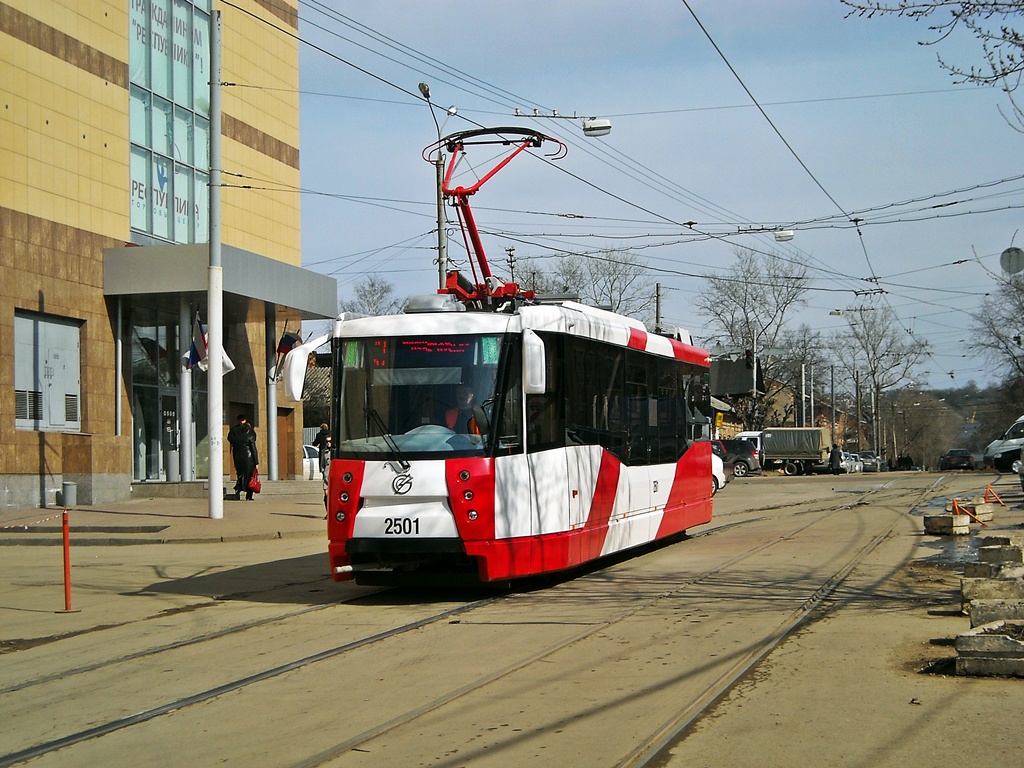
105 114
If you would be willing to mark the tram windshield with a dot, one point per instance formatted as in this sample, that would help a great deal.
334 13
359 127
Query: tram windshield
418 397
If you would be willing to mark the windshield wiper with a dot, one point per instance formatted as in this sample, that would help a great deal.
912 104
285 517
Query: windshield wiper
396 452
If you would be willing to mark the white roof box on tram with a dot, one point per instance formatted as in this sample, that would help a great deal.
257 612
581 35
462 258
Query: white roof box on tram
605 314
433 302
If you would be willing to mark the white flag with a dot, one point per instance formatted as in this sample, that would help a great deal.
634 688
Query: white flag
199 353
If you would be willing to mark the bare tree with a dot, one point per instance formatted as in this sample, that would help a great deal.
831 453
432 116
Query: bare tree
802 368
373 296
920 426
999 325
612 279
876 351
991 23
748 306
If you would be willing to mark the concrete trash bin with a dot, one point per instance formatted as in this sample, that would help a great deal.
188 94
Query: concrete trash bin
69 494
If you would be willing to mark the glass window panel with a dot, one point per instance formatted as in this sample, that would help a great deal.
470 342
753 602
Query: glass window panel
138 43
138 120
201 63
201 144
140 176
161 46
182 52
182 136
201 195
161 196
183 229
162 112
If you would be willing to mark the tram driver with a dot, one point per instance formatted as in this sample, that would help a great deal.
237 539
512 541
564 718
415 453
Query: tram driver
460 417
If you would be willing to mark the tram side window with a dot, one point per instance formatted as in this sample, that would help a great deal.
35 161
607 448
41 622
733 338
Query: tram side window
698 403
509 428
545 414
670 423
595 401
641 437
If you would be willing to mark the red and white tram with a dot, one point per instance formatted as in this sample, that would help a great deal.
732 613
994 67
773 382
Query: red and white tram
585 436
529 439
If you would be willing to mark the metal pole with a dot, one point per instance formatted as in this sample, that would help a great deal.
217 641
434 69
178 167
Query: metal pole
657 307
186 439
856 389
270 320
118 367
832 377
803 394
442 239
215 299
811 376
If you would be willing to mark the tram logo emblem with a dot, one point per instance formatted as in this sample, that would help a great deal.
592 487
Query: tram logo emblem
402 484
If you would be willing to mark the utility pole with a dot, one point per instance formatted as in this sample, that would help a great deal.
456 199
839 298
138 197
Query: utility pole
657 307
215 291
856 389
442 237
832 377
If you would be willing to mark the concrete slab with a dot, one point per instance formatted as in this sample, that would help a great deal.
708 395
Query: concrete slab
991 650
947 525
988 611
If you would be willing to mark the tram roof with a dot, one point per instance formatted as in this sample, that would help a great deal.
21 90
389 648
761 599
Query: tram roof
568 318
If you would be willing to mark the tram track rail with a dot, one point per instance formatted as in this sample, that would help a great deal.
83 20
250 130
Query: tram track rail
652 745
671 730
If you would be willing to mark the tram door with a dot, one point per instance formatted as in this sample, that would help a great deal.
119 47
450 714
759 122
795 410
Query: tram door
580 473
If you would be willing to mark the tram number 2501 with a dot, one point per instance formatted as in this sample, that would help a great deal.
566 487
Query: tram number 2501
401 526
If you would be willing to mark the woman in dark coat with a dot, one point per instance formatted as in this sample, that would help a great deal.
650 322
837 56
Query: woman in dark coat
835 460
242 438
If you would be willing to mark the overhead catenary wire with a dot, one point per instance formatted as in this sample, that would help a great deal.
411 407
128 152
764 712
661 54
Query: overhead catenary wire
726 237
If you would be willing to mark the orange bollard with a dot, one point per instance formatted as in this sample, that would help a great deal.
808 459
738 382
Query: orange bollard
67 563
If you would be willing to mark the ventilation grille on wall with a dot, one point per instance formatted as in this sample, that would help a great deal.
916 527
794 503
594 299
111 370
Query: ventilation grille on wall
28 404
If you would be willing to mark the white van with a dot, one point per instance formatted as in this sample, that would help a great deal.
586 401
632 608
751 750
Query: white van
1002 452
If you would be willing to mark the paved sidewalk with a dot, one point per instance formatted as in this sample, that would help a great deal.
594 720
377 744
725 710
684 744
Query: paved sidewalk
285 509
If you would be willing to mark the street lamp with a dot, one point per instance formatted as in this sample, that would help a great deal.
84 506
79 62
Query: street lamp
442 241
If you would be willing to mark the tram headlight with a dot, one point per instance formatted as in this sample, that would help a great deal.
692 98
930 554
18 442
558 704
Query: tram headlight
339 516
347 477
464 475
472 514
467 495
344 497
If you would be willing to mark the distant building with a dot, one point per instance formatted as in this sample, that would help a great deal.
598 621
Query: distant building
104 232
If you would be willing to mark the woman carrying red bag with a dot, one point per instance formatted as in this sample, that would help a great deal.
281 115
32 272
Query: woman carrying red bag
242 438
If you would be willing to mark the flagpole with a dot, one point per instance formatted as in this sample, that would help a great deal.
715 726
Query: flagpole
215 297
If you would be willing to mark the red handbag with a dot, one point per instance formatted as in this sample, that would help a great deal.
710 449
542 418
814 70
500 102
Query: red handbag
254 482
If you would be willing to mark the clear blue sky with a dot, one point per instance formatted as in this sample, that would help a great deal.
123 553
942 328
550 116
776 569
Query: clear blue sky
864 106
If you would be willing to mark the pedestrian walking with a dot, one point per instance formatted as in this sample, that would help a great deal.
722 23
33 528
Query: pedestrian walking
242 438
835 460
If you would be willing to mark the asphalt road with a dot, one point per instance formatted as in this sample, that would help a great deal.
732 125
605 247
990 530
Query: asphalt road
810 621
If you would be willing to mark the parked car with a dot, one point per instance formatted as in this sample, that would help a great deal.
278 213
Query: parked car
310 462
956 458
871 461
852 463
721 470
743 455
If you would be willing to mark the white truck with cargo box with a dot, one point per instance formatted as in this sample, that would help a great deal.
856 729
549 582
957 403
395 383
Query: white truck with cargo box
793 449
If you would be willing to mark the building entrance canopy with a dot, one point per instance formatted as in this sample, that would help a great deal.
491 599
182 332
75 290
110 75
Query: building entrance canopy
183 270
